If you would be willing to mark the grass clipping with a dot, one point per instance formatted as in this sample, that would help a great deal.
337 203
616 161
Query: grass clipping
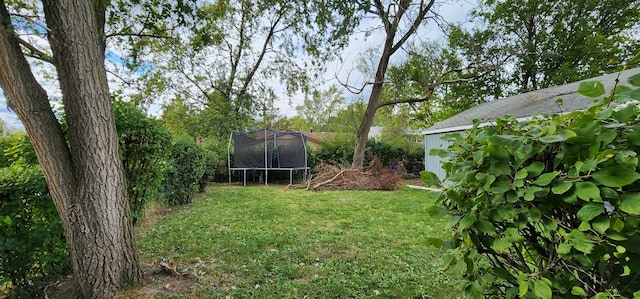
374 176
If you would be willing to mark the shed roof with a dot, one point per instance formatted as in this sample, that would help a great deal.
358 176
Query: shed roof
529 103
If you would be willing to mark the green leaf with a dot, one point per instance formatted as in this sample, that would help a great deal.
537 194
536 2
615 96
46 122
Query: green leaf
617 224
625 114
545 178
497 152
601 224
615 176
535 168
442 153
436 242
542 289
616 236
560 187
627 158
562 135
601 295
513 235
522 174
523 285
485 226
584 226
578 291
630 203
535 215
633 61
564 248
467 221
590 211
437 211
7 220
592 89
587 191
635 79
429 178
500 245
580 241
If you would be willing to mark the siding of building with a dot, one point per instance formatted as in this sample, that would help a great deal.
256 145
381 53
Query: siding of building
433 163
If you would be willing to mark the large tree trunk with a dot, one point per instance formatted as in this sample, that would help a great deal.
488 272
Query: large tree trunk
391 18
373 103
86 179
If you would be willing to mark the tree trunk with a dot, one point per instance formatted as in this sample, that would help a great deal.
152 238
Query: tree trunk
363 131
373 103
86 179
391 19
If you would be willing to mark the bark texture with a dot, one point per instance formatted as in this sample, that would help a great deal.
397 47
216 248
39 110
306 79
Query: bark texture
86 178
392 18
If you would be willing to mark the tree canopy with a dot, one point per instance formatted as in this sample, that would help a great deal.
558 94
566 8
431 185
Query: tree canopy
547 43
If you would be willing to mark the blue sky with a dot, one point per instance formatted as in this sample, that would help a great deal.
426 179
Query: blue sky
10 119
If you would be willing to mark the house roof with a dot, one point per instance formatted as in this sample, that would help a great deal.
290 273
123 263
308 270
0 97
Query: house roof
527 104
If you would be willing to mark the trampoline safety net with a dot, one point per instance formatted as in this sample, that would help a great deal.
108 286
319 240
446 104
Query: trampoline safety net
268 150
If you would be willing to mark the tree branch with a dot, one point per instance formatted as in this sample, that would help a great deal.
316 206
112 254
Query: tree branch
35 52
424 9
431 89
150 35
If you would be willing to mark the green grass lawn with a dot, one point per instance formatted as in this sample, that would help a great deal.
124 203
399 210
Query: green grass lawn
267 242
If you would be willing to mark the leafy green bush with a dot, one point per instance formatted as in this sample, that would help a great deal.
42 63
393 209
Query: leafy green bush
340 151
185 169
214 151
144 144
550 207
336 151
408 153
32 242
17 147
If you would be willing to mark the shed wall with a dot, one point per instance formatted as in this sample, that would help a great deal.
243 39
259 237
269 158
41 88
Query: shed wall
434 163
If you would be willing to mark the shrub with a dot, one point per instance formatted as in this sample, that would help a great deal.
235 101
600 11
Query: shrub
409 154
340 152
17 147
550 207
32 242
336 151
185 169
214 151
144 144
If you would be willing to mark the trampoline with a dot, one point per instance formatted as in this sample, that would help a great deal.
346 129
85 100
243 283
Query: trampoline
265 151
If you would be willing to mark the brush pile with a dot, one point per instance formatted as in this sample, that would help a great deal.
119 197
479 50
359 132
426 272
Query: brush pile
374 176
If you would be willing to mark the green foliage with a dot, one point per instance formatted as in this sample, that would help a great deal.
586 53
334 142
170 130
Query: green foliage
144 144
185 168
318 107
407 154
17 148
215 152
340 151
549 208
32 242
5 143
541 43
337 151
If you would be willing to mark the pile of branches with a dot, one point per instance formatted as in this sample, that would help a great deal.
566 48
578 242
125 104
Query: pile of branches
374 176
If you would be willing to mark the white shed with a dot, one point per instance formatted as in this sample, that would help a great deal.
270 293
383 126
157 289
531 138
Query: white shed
521 106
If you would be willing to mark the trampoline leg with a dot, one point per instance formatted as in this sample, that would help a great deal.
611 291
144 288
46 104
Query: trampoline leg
244 177
290 176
